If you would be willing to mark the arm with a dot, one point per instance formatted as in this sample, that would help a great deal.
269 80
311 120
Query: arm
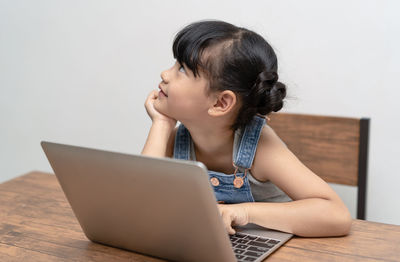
161 136
316 210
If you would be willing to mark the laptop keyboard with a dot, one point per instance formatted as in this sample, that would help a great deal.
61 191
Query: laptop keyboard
250 247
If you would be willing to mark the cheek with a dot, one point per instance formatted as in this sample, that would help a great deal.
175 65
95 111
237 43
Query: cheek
189 107
180 103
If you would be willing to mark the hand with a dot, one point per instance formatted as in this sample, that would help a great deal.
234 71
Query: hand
233 215
153 113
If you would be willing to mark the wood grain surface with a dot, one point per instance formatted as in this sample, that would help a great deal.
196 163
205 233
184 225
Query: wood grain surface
37 224
329 146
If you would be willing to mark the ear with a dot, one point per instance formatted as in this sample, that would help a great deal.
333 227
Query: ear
224 103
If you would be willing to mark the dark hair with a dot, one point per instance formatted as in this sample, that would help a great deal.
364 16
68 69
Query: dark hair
235 59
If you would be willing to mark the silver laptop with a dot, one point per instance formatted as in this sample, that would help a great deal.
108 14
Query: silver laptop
156 206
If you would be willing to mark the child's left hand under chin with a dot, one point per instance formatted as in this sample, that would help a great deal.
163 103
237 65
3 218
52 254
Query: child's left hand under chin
233 215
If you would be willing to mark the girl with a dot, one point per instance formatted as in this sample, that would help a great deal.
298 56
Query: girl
223 83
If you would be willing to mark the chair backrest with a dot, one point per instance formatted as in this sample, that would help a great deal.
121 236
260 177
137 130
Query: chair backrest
335 148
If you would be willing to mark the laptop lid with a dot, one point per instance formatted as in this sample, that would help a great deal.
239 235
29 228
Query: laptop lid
160 207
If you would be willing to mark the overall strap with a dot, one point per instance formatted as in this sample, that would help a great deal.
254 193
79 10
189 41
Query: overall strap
182 143
248 143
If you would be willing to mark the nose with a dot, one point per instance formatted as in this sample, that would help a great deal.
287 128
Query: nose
164 76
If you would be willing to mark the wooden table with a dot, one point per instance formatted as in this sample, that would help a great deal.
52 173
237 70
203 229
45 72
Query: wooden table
37 224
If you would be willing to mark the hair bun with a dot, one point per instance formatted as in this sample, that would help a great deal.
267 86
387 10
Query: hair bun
278 93
268 93
267 77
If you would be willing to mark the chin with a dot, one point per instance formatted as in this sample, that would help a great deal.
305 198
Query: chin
161 110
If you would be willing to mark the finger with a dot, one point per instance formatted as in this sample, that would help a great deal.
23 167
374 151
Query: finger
155 94
226 218
152 96
230 229
149 97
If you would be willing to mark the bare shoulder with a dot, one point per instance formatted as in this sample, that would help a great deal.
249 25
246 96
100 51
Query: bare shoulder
270 149
276 163
270 140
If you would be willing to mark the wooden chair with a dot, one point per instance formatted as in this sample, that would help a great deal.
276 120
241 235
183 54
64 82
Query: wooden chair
335 148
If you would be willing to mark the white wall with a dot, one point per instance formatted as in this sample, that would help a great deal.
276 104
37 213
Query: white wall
78 72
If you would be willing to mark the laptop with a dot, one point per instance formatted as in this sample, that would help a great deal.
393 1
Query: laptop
160 207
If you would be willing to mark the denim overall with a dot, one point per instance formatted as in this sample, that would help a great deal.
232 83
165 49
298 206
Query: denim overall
243 156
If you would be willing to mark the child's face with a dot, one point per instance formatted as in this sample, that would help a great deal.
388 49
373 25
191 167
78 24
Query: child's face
183 96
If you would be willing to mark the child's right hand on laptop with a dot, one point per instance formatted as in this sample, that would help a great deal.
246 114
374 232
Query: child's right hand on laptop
233 215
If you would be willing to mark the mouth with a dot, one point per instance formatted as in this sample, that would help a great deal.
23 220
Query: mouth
162 92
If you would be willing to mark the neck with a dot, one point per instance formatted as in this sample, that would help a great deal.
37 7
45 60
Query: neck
211 140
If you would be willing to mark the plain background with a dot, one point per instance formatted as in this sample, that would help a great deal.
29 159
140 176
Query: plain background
78 72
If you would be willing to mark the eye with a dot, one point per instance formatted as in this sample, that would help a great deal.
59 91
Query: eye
182 69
